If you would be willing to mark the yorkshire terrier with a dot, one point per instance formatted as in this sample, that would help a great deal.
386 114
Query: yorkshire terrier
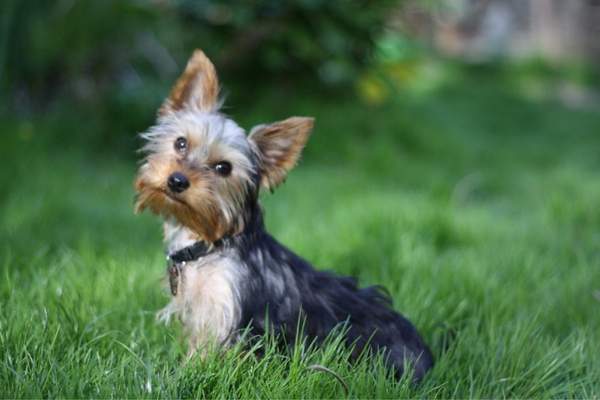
203 174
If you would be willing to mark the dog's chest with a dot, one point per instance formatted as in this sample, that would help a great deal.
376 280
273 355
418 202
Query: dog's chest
208 297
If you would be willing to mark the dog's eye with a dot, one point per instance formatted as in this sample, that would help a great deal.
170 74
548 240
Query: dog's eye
223 168
181 145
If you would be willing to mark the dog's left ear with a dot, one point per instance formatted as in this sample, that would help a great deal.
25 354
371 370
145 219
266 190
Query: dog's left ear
279 146
197 88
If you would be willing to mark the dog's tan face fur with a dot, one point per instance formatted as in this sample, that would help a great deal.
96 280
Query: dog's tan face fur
192 138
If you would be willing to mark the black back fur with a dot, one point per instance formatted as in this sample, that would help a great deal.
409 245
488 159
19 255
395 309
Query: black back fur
285 289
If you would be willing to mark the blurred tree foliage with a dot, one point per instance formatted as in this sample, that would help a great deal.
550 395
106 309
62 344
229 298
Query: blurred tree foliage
90 50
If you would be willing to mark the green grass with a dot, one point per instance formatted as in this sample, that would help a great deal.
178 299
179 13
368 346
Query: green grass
476 208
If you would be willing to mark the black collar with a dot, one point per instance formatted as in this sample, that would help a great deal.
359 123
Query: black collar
176 260
194 251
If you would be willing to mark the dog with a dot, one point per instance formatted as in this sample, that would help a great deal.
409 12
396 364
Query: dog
203 174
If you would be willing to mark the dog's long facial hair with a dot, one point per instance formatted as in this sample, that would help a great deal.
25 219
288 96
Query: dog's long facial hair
202 173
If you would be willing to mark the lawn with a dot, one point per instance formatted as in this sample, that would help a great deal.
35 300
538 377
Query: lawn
476 206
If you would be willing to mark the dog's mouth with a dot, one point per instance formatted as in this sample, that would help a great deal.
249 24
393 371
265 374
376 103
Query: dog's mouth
157 199
172 196
162 201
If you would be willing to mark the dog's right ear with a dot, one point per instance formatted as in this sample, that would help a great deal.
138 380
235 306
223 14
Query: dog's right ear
197 88
278 146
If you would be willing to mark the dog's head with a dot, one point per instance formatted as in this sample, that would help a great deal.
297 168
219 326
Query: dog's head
200 167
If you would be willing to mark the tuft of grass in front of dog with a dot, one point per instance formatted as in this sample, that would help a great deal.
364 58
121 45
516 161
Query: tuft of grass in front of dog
482 225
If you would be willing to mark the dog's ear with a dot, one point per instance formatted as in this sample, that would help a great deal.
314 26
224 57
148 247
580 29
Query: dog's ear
279 146
196 88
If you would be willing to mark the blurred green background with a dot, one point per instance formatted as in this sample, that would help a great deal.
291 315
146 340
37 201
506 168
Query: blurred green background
454 159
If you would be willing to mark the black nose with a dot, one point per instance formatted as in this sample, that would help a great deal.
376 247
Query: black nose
178 182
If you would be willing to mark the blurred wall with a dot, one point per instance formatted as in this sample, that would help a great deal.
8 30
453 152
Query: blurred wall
560 30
